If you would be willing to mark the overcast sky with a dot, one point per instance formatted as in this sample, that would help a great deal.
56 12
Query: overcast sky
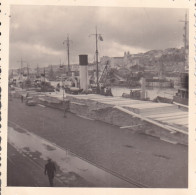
37 32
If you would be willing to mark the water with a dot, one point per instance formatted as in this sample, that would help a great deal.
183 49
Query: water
151 93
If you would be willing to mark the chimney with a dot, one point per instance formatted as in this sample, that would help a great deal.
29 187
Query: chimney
83 62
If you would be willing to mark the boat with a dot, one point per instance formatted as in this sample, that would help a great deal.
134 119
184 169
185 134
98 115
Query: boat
182 96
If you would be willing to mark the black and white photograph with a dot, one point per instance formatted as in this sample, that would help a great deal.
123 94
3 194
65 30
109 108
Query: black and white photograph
98 97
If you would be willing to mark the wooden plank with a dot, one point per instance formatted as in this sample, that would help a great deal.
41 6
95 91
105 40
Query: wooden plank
151 121
156 115
153 105
179 121
162 111
170 117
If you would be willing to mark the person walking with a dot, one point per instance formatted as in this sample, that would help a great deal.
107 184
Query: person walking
50 170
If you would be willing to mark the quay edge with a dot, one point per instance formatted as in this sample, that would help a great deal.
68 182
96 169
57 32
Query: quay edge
113 110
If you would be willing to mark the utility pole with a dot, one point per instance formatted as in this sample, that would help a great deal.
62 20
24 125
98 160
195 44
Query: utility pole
97 53
68 45
185 40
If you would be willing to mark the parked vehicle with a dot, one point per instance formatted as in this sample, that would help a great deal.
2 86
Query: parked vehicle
30 101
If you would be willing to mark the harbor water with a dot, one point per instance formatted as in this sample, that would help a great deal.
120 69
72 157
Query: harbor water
151 93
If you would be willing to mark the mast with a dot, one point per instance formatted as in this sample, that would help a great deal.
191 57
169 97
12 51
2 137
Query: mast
68 52
68 48
44 75
97 62
21 66
27 70
97 53
37 71
12 74
185 37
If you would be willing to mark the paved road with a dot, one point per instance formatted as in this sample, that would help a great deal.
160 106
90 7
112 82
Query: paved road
145 159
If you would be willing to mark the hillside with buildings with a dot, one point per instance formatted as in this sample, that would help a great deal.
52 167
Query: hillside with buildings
168 60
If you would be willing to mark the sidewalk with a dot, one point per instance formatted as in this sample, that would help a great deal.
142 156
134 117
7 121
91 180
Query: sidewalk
22 171
71 169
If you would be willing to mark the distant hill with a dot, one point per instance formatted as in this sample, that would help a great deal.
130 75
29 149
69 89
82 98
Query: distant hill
172 59
168 60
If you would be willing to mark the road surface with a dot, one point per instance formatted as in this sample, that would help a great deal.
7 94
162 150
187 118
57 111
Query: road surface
144 159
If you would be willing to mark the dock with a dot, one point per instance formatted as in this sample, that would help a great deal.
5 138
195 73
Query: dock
163 120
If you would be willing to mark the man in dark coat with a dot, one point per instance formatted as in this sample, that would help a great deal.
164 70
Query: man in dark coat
50 170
